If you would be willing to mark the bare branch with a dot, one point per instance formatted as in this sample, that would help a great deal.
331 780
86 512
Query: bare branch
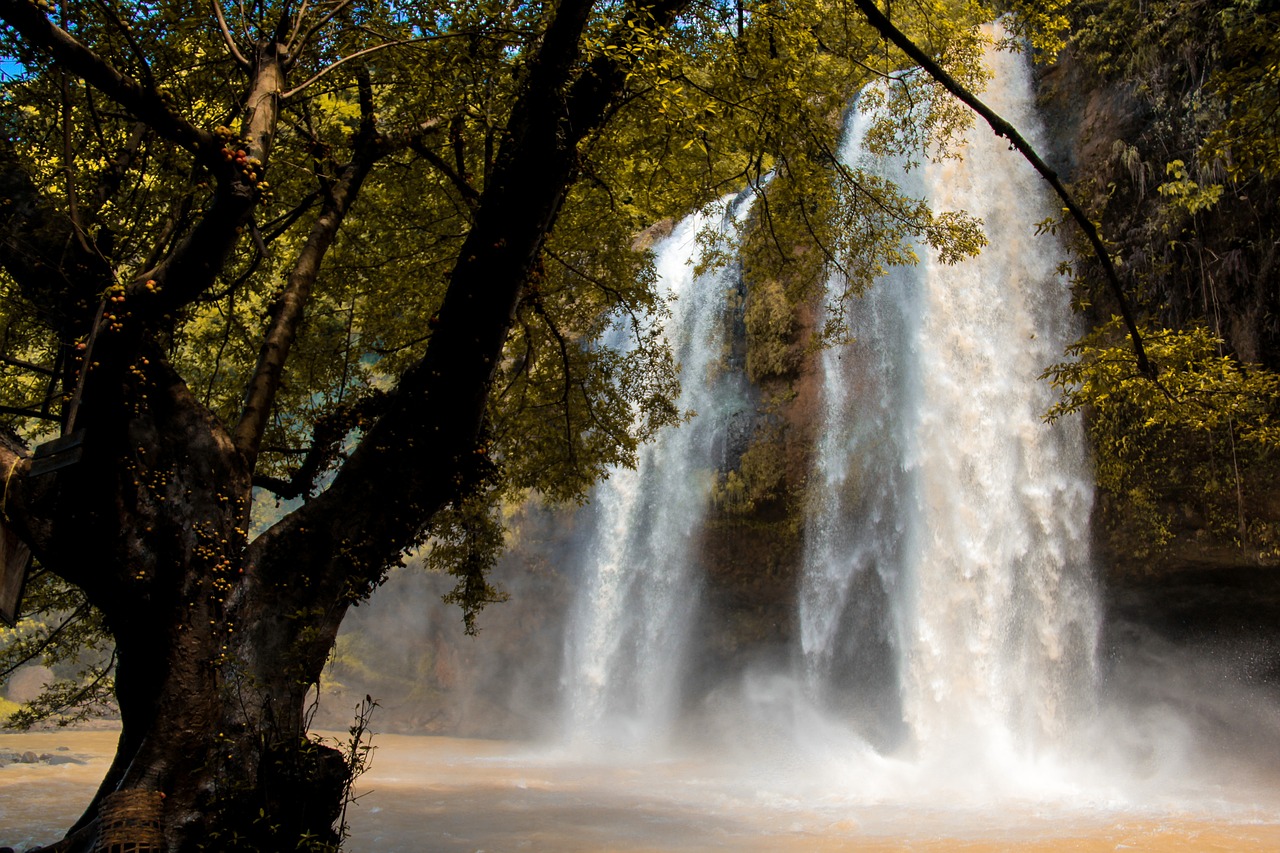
1003 128
29 413
227 37
296 43
324 71
297 24
27 365
144 102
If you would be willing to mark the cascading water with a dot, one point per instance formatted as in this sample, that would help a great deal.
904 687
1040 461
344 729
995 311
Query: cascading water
639 580
946 612
946 602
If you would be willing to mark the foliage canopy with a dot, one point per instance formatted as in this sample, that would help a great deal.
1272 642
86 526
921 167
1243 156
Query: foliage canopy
269 205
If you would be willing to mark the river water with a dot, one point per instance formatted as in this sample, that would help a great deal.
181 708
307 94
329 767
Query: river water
450 795
957 686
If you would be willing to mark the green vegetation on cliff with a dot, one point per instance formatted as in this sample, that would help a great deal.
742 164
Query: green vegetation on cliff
1180 173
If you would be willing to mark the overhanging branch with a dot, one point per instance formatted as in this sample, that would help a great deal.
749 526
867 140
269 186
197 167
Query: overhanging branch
144 102
228 38
1003 128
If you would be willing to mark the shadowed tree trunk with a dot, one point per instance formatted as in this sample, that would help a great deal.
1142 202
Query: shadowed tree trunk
219 638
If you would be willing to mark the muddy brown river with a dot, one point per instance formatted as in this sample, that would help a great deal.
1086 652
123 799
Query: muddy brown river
450 795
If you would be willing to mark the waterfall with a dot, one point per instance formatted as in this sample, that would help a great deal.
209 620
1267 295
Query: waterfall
639 581
946 604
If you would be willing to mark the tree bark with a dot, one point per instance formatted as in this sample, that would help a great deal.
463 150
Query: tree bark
220 639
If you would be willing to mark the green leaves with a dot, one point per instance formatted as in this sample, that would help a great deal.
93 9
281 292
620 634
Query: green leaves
60 631
1185 193
1204 436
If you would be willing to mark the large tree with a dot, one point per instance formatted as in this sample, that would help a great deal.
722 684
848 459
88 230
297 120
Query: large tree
362 256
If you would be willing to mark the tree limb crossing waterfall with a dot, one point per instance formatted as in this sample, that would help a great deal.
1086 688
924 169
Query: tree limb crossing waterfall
947 603
946 607
639 584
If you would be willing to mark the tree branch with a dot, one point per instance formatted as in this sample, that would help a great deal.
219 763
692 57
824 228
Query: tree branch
227 37
26 365
326 442
112 175
289 308
193 264
468 192
430 433
29 413
359 53
124 31
143 102
1003 128
296 43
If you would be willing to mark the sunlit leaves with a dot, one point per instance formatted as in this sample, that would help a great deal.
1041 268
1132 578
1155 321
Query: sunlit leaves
1248 84
1200 435
1186 193
1201 388
1044 24
728 98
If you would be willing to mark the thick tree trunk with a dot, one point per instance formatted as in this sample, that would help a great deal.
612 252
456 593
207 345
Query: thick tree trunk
213 666
219 639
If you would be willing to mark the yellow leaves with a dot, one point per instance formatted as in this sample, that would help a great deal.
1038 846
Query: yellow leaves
337 108
770 324
1043 23
1152 440
1200 388
1247 142
1185 193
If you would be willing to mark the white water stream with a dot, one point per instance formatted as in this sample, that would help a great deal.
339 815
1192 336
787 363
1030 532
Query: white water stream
639 580
947 691
947 596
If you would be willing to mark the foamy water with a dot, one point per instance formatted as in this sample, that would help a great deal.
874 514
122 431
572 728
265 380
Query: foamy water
450 795
949 697
443 794
947 596
639 590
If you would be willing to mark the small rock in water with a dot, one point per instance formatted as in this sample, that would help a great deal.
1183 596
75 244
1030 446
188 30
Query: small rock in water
29 757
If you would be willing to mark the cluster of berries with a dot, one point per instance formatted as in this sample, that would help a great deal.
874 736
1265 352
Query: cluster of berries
235 152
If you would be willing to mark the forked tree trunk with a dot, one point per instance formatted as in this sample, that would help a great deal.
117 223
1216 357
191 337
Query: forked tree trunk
213 664
219 639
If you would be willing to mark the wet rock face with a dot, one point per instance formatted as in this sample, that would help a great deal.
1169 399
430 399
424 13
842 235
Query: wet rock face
1084 116
1200 604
